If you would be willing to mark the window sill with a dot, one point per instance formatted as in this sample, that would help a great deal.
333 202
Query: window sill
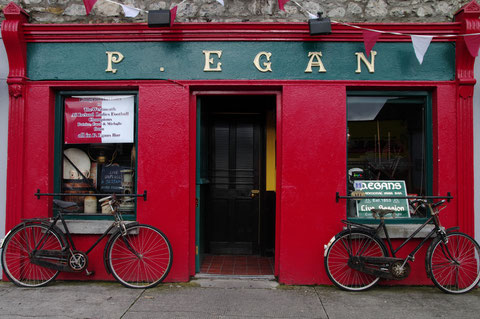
405 230
86 227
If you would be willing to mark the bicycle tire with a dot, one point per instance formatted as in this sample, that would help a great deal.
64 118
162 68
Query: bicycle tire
150 264
459 275
16 250
336 259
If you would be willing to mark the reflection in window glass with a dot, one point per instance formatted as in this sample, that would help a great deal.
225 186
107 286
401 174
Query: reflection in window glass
386 140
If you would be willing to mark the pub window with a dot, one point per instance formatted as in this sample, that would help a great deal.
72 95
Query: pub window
389 151
95 150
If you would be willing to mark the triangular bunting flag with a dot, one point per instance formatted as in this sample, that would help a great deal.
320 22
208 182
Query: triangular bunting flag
473 43
221 2
129 11
89 5
281 4
420 45
369 40
173 14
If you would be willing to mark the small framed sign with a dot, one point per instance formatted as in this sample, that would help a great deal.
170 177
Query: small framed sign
99 119
382 189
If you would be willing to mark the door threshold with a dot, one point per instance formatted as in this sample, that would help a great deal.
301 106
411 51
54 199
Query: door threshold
238 277
235 281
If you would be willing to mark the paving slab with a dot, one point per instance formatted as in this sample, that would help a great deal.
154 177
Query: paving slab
398 302
66 300
231 298
231 302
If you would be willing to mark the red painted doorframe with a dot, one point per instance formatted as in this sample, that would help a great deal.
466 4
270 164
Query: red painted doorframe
229 91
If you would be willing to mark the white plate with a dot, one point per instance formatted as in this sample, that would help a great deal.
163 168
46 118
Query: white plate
81 161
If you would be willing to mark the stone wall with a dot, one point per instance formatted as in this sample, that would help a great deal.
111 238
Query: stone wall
68 11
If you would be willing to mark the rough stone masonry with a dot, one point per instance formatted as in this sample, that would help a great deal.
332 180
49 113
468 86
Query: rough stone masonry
73 11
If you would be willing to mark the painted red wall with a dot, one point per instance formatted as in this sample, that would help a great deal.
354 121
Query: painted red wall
313 169
163 167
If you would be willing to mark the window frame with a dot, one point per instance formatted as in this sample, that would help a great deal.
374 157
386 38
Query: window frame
428 148
59 145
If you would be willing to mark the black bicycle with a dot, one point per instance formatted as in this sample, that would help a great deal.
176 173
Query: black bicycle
356 258
36 250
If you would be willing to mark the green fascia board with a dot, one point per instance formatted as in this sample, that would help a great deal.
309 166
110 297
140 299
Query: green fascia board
187 60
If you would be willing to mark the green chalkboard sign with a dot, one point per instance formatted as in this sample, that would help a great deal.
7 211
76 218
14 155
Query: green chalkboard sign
382 189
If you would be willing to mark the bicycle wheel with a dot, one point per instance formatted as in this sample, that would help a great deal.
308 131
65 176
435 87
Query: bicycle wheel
454 266
16 255
352 243
140 259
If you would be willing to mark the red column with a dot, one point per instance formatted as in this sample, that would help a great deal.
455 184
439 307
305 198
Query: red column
468 16
12 33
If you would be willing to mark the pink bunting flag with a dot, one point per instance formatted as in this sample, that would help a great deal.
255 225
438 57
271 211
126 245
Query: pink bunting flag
281 4
173 14
369 40
473 43
89 5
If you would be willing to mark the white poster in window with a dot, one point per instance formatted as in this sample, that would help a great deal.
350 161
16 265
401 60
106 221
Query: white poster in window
99 119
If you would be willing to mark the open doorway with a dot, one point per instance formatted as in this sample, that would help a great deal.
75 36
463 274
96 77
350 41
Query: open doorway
236 180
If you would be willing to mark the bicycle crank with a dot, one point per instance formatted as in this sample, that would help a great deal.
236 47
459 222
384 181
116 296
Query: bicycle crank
399 270
78 261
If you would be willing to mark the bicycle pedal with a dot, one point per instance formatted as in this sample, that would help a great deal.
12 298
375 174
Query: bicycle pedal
89 273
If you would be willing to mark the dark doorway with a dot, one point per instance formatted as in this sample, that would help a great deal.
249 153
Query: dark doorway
239 215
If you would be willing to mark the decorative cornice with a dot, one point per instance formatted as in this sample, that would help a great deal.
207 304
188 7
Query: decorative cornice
468 11
14 40
14 12
140 32
468 17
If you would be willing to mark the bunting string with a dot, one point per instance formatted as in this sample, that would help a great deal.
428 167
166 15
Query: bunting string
370 36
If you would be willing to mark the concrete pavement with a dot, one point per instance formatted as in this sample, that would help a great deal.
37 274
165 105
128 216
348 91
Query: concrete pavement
232 298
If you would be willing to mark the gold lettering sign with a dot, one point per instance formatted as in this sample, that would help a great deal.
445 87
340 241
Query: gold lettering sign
113 57
370 65
209 61
267 65
318 62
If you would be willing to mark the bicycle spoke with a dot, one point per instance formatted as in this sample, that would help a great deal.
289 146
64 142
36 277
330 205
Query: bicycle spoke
140 259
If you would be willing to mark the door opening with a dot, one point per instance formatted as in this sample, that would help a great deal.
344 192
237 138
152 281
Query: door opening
236 177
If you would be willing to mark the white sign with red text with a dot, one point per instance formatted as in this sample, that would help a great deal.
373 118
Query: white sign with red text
99 119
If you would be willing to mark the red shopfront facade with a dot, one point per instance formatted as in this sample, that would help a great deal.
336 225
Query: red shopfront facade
203 92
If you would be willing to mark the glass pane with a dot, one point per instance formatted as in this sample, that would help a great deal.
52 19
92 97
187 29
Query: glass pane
221 158
386 140
244 155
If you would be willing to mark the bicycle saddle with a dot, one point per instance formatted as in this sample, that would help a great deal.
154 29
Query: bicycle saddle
63 204
382 212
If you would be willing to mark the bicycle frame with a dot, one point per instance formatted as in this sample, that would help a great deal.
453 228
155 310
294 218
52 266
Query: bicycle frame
69 244
383 227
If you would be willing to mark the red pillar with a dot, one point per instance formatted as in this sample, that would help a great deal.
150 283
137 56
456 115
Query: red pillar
468 16
12 34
